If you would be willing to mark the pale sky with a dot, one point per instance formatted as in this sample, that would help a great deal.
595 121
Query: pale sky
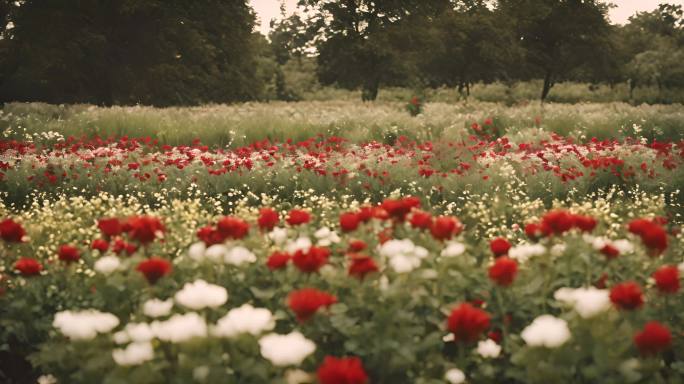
270 9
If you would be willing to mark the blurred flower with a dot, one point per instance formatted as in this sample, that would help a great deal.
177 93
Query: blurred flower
345 370
283 350
546 331
244 319
200 294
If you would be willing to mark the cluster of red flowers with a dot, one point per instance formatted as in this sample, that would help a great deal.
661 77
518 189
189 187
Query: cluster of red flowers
652 233
558 222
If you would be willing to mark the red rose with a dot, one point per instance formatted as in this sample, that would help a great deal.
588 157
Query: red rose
110 227
667 279
28 267
653 338
357 246
495 335
154 268
311 260
398 209
445 227
421 219
365 214
210 235
298 217
499 246
534 231
11 231
585 223
638 226
655 238
610 251
380 213
467 323
145 229
349 221
268 218
122 246
306 302
278 260
68 253
627 296
503 271
346 370
361 265
557 222
100 244
233 227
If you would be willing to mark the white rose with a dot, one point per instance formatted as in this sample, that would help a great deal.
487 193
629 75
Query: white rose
107 264
180 328
283 350
201 294
245 319
455 376
488 348
196 251
278 235
134 354
238 255
546 331
587 302
453 249
216 252
301 244
139 332
84 325
157 308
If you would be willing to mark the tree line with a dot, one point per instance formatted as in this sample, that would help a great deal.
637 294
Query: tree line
176 52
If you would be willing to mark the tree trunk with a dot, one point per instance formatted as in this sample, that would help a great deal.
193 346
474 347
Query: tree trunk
632 86
547 85
370 90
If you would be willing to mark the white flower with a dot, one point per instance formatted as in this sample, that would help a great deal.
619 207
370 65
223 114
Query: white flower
139 332
680 267
488 348
107 264
84 325
326 237
201 294
278 235
630 370
455 376
134 354
282 350
624 246
180 328
301 244
121 337
297 376
196 251
523 252
403 255
47 379
453 249
245 319
546 331
238 255
216 252
587 302
558 249
157 308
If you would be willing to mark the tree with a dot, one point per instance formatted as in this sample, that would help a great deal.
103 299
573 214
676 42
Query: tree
558 35
129 51
359 41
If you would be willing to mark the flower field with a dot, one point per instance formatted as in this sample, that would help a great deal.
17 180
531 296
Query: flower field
489 247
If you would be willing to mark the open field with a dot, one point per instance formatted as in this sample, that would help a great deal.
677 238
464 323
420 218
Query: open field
249 243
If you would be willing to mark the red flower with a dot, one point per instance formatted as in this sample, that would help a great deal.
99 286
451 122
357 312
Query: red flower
667 279
28 267
233 227
297 217
154 268
503 271
557 222
311 260
421 219
627 296
110 227
11 231
145 228
121 246
638 226
610 251
655 238
534 231
400 208
100 244
361 265
68 253
357 246
210 235
268 218
346 370
365 214
499 246
585 223
349 221
653 338
306 302
278 260
445 227
467 323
